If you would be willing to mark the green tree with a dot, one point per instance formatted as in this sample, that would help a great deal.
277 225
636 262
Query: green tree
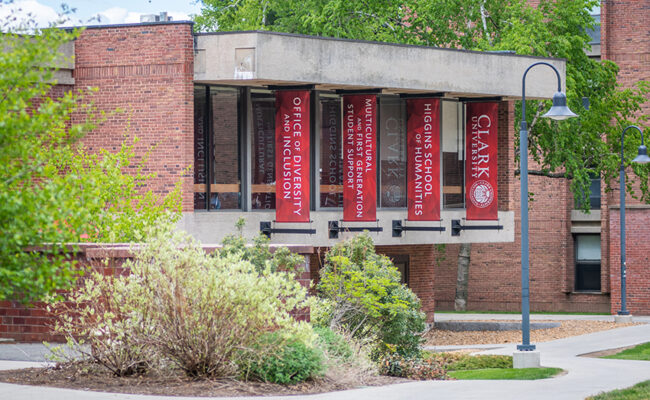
52 191
574 149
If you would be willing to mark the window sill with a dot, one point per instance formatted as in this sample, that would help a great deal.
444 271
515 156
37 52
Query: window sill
589 292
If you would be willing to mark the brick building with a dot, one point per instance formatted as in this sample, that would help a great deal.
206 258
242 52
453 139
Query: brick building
207 105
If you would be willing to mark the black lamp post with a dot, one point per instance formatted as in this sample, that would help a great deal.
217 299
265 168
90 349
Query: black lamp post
558 111
642 158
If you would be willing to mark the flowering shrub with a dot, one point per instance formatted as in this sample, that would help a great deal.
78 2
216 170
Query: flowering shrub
206 314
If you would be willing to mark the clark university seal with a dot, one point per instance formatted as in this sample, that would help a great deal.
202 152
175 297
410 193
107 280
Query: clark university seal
481 194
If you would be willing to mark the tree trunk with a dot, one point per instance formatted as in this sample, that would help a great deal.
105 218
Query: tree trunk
460 303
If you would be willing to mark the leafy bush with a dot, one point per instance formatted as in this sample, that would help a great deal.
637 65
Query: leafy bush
363 295
100 321
334 344
259 254
204 313
292 363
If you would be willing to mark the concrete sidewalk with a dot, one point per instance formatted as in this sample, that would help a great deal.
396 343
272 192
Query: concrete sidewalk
584 377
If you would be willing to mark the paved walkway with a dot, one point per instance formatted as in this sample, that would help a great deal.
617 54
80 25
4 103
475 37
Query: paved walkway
584 377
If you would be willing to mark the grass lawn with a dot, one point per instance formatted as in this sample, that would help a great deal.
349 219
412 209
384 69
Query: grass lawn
506 373
640 391
640 352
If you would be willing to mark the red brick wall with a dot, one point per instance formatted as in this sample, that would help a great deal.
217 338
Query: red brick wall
637 254
146 71
625 38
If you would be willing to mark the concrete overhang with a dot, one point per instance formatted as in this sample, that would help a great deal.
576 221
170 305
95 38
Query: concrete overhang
267 58
62 65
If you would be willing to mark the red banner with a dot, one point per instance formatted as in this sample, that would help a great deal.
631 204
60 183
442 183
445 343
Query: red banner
423 141
292 156
481 161
360 158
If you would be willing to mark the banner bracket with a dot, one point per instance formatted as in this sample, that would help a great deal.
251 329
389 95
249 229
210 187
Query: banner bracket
398 228
456 227
334 228
267 230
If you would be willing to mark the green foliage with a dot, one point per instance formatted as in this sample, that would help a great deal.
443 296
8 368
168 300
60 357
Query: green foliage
259 253
640 352
205 314
506 373
293 362
52 191
363 295
333 343
556 28
640 391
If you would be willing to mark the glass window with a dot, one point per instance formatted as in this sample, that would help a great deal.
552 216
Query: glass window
587 250
225 189
392 152
453 151
594 193
200 146
216 149
263 151
331 153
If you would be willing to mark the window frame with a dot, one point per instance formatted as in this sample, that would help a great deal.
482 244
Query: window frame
578 264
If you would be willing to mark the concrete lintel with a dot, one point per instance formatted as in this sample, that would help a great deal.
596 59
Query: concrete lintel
585 228
258 58
579 215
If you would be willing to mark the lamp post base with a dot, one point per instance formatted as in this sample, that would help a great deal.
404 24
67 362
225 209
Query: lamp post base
526 359
623 318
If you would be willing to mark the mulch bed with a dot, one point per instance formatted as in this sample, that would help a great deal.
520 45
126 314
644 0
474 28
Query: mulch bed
437 337
75 377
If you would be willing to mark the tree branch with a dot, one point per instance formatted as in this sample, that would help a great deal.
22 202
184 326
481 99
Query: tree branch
545 173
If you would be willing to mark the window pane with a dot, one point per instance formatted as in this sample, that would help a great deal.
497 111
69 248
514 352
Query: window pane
588 247
263 152
331 154
588 277
392 152
594 196
453 176
200 153
225 189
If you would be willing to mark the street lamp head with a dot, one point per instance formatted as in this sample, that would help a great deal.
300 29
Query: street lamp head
642 158
559 110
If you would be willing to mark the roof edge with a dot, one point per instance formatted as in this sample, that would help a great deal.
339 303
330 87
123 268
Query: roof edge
502 53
